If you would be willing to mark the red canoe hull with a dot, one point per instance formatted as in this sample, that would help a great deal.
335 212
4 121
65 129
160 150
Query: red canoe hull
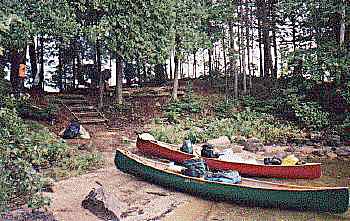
306 171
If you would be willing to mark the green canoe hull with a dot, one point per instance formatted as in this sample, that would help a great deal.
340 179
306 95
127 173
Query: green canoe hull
324 200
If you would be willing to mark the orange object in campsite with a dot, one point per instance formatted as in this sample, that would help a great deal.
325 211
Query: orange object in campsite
22 71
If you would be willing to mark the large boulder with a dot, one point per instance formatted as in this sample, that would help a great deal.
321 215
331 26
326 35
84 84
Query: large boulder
333 141
322 152
306 150
274 149
103 204
343 151
332 155
83 133
253 145
222 141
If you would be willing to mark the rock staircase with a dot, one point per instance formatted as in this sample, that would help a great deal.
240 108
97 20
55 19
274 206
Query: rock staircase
82 110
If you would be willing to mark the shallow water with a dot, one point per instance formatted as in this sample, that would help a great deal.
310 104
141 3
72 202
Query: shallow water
335 173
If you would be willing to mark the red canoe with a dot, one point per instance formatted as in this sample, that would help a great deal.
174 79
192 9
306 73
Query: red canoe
171 152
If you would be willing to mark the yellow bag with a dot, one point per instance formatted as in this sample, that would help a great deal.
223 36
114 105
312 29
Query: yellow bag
289 160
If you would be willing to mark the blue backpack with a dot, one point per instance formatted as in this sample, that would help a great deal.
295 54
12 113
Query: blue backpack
72 130
187 147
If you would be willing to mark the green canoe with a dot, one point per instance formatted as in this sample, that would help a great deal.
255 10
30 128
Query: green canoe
249 191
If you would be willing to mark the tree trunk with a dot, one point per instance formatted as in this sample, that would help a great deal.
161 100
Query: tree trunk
15 62
182 69
60 66
210 51
171 66
74 70
33 60
188 66
80 75
119 78
204 67
176 77
273 15
261 67
176 71
248 49
144 80
244 64
342 25
294 35
194 64
160 73
267 42
99 74
41 73
225 64
275 69
232 48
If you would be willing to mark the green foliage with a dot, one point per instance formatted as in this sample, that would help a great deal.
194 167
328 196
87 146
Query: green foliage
81 163
19 155
226 108
169 134
26 151
247 123
257 105
189 104
345 128
30 18
310 114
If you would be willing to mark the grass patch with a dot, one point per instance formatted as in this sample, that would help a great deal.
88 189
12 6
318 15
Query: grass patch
78 164
247 123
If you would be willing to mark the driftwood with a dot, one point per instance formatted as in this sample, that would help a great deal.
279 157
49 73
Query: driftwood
102 204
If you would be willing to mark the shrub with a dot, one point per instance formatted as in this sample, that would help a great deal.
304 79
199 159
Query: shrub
25 151
189 104
81 163
20 182
311 115
225 108
247 124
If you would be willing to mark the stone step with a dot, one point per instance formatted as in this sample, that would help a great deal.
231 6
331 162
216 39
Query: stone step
87 114
71 97
71 102
92 120
82 108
